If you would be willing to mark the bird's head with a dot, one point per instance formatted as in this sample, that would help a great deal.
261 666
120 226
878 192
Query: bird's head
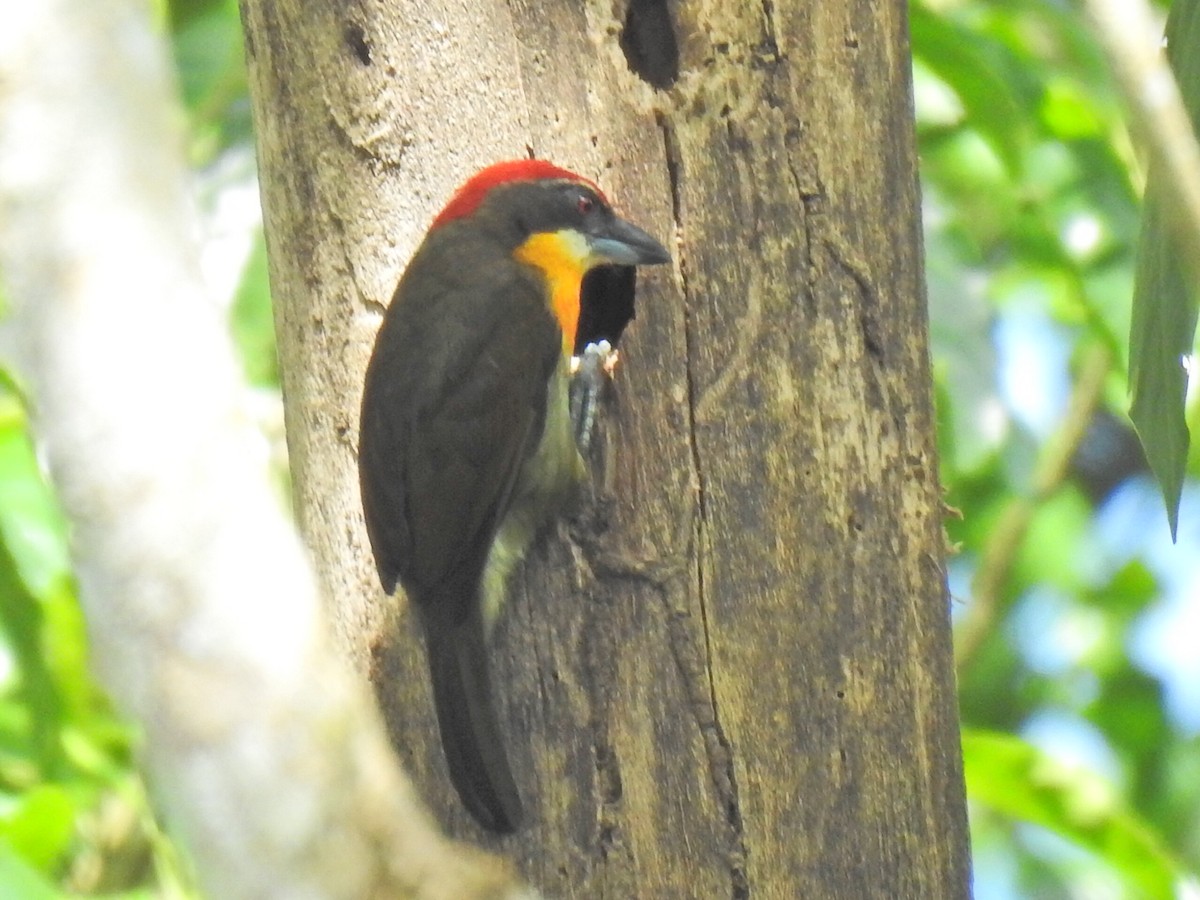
548 212
561 225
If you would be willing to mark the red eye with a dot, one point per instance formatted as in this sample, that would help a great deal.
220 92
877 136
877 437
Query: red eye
585 204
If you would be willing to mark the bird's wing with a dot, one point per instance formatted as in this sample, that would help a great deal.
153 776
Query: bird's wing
452 408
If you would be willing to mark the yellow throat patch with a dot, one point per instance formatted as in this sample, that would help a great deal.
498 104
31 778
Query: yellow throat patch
563 258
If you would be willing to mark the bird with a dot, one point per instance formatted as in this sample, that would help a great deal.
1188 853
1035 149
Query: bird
466 446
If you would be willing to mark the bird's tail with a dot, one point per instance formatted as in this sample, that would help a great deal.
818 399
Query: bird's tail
470 730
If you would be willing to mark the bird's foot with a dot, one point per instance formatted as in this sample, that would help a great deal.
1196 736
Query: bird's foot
591 373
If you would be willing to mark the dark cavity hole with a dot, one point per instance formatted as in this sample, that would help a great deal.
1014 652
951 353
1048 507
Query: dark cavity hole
648 42
605 305
356 40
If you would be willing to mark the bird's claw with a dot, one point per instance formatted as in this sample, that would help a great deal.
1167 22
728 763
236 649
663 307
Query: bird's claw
590 373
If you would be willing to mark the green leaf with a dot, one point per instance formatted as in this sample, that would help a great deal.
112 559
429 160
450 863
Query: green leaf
1164 303
17 879
1015 779
31 523
22 628
980 82
1068 111
41 826
207 40
1058 537
252 323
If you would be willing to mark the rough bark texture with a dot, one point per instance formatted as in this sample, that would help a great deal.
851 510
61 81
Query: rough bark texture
732 676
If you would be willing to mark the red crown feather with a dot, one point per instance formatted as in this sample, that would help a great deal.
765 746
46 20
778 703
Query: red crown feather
468 197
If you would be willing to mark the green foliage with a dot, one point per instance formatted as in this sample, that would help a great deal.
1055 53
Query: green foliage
1032 217
66 762
253 327
1013 778
1166 297
19 879
74 815
207 38
1032 220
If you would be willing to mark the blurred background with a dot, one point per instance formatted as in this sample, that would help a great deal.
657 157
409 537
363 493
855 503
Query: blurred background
1077 618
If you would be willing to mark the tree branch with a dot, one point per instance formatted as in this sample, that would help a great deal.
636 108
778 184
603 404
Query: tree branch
202 611
1007 537
1130 38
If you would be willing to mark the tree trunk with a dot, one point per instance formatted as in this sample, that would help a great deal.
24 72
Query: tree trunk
732 676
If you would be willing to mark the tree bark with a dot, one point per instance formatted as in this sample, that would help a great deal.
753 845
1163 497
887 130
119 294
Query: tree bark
731 676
